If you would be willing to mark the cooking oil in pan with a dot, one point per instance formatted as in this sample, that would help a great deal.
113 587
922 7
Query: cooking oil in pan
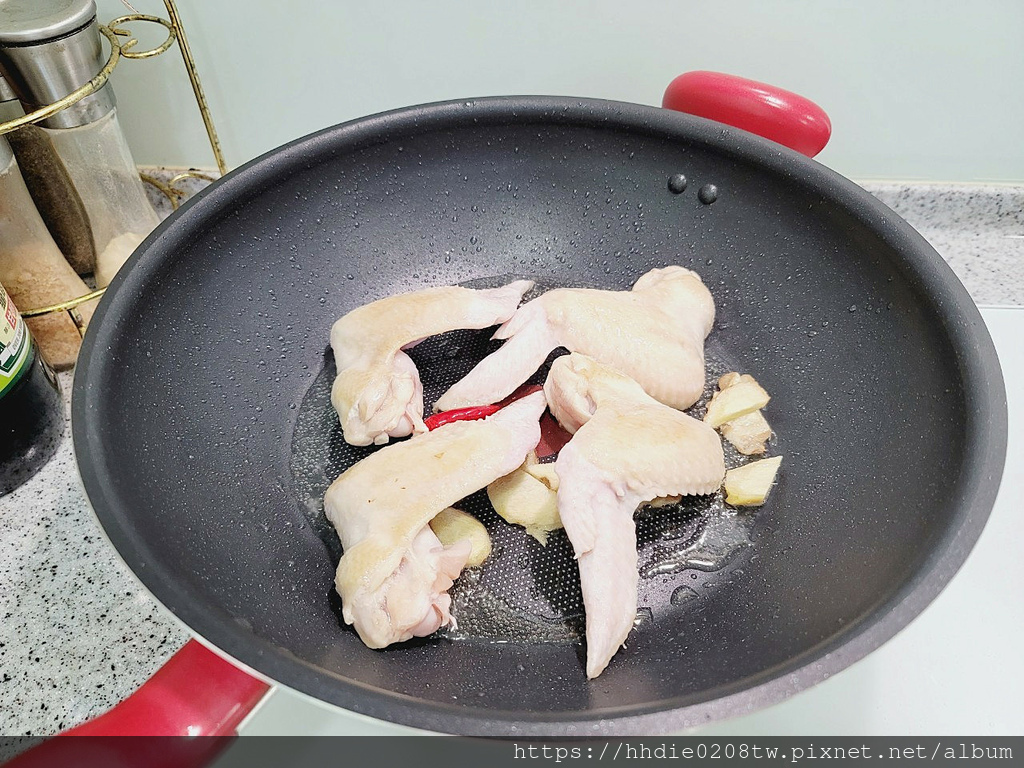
528 592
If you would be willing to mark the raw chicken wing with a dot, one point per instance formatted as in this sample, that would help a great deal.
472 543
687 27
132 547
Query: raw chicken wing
394 575
377 392
627 448
653 333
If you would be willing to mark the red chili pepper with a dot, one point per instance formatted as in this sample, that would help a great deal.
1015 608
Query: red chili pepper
477 412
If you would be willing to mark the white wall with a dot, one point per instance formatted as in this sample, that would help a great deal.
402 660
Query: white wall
920 89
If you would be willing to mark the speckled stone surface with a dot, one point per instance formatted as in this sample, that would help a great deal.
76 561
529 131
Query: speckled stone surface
978 230
77 632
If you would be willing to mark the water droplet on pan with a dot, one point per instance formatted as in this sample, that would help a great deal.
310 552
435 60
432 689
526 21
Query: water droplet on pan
708 194
682 595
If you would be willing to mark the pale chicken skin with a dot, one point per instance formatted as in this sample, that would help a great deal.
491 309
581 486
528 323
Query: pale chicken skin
394 575
626 449
377 392
653 333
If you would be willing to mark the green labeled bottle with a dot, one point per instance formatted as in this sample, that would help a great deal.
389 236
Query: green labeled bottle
31 409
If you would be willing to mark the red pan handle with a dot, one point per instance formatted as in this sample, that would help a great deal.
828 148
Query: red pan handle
195 693
782 116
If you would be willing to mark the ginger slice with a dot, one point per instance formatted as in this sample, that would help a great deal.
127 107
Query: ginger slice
528 497
543 472
453 525
748 434
748 485
737 396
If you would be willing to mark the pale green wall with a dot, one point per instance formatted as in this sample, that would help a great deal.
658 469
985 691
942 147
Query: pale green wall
920 89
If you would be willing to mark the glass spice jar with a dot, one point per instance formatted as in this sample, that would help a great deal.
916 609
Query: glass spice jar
34 271
48 49
50 186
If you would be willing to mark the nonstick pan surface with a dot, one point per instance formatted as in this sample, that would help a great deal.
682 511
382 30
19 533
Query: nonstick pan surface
205 355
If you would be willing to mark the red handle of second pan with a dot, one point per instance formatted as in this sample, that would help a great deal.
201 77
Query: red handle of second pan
195 693
782 116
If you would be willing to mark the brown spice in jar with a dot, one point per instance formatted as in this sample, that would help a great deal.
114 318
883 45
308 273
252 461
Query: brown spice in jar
55 196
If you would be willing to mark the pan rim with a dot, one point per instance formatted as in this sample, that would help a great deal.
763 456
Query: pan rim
984 389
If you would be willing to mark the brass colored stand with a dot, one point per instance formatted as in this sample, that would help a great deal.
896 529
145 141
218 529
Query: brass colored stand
118 50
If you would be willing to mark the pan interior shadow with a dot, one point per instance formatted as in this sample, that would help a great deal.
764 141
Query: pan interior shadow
527 592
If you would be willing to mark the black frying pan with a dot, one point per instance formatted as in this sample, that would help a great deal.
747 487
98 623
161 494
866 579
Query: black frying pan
888 400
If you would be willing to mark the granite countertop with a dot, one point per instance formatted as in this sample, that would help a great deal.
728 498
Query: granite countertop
78 633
